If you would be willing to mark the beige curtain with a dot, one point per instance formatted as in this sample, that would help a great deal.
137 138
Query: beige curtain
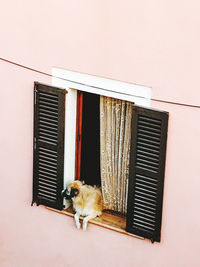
115 131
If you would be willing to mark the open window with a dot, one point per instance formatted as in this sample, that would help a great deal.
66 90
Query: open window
147 156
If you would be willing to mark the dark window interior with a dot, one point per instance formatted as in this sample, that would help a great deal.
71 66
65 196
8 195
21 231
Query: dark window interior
90 149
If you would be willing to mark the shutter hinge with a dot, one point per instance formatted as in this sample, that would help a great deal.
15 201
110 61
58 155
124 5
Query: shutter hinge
35 143
152 240
35 92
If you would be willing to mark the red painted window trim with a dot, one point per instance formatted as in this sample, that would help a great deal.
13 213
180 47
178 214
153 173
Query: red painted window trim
78 134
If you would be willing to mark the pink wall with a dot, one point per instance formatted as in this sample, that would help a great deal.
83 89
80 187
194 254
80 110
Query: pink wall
153 43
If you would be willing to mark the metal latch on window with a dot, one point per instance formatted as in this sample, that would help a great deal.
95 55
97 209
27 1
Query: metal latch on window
78 137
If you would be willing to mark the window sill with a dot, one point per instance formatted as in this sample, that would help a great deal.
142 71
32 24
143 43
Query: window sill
107 220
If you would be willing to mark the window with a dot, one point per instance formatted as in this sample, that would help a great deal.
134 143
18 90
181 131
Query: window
147 159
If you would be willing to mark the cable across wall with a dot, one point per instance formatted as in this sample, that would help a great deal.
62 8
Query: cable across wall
91 86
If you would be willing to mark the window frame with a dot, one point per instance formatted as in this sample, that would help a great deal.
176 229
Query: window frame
74 82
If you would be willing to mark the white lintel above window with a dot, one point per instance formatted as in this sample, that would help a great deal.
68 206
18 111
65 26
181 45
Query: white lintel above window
140 95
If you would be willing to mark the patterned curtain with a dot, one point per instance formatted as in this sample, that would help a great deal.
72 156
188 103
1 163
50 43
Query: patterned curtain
115 135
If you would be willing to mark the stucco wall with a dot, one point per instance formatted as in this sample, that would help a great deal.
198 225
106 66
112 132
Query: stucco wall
153 43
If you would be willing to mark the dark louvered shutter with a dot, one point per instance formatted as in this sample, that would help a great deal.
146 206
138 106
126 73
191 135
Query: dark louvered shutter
146 174
49 126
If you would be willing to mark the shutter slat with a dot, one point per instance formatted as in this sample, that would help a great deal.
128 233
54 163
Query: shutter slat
46 177
48 119
47 173
146 173
49 122
46 94
145 197
49 103
44 180
144 131
50 113
48 132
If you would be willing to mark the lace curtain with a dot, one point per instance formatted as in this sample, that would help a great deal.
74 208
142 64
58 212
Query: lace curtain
115 135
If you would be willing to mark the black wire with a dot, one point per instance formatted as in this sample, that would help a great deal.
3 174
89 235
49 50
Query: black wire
91 86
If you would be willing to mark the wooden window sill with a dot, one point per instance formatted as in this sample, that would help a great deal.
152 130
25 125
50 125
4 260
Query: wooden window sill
107 220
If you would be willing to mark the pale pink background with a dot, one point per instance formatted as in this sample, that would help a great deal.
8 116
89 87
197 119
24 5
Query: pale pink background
153 43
